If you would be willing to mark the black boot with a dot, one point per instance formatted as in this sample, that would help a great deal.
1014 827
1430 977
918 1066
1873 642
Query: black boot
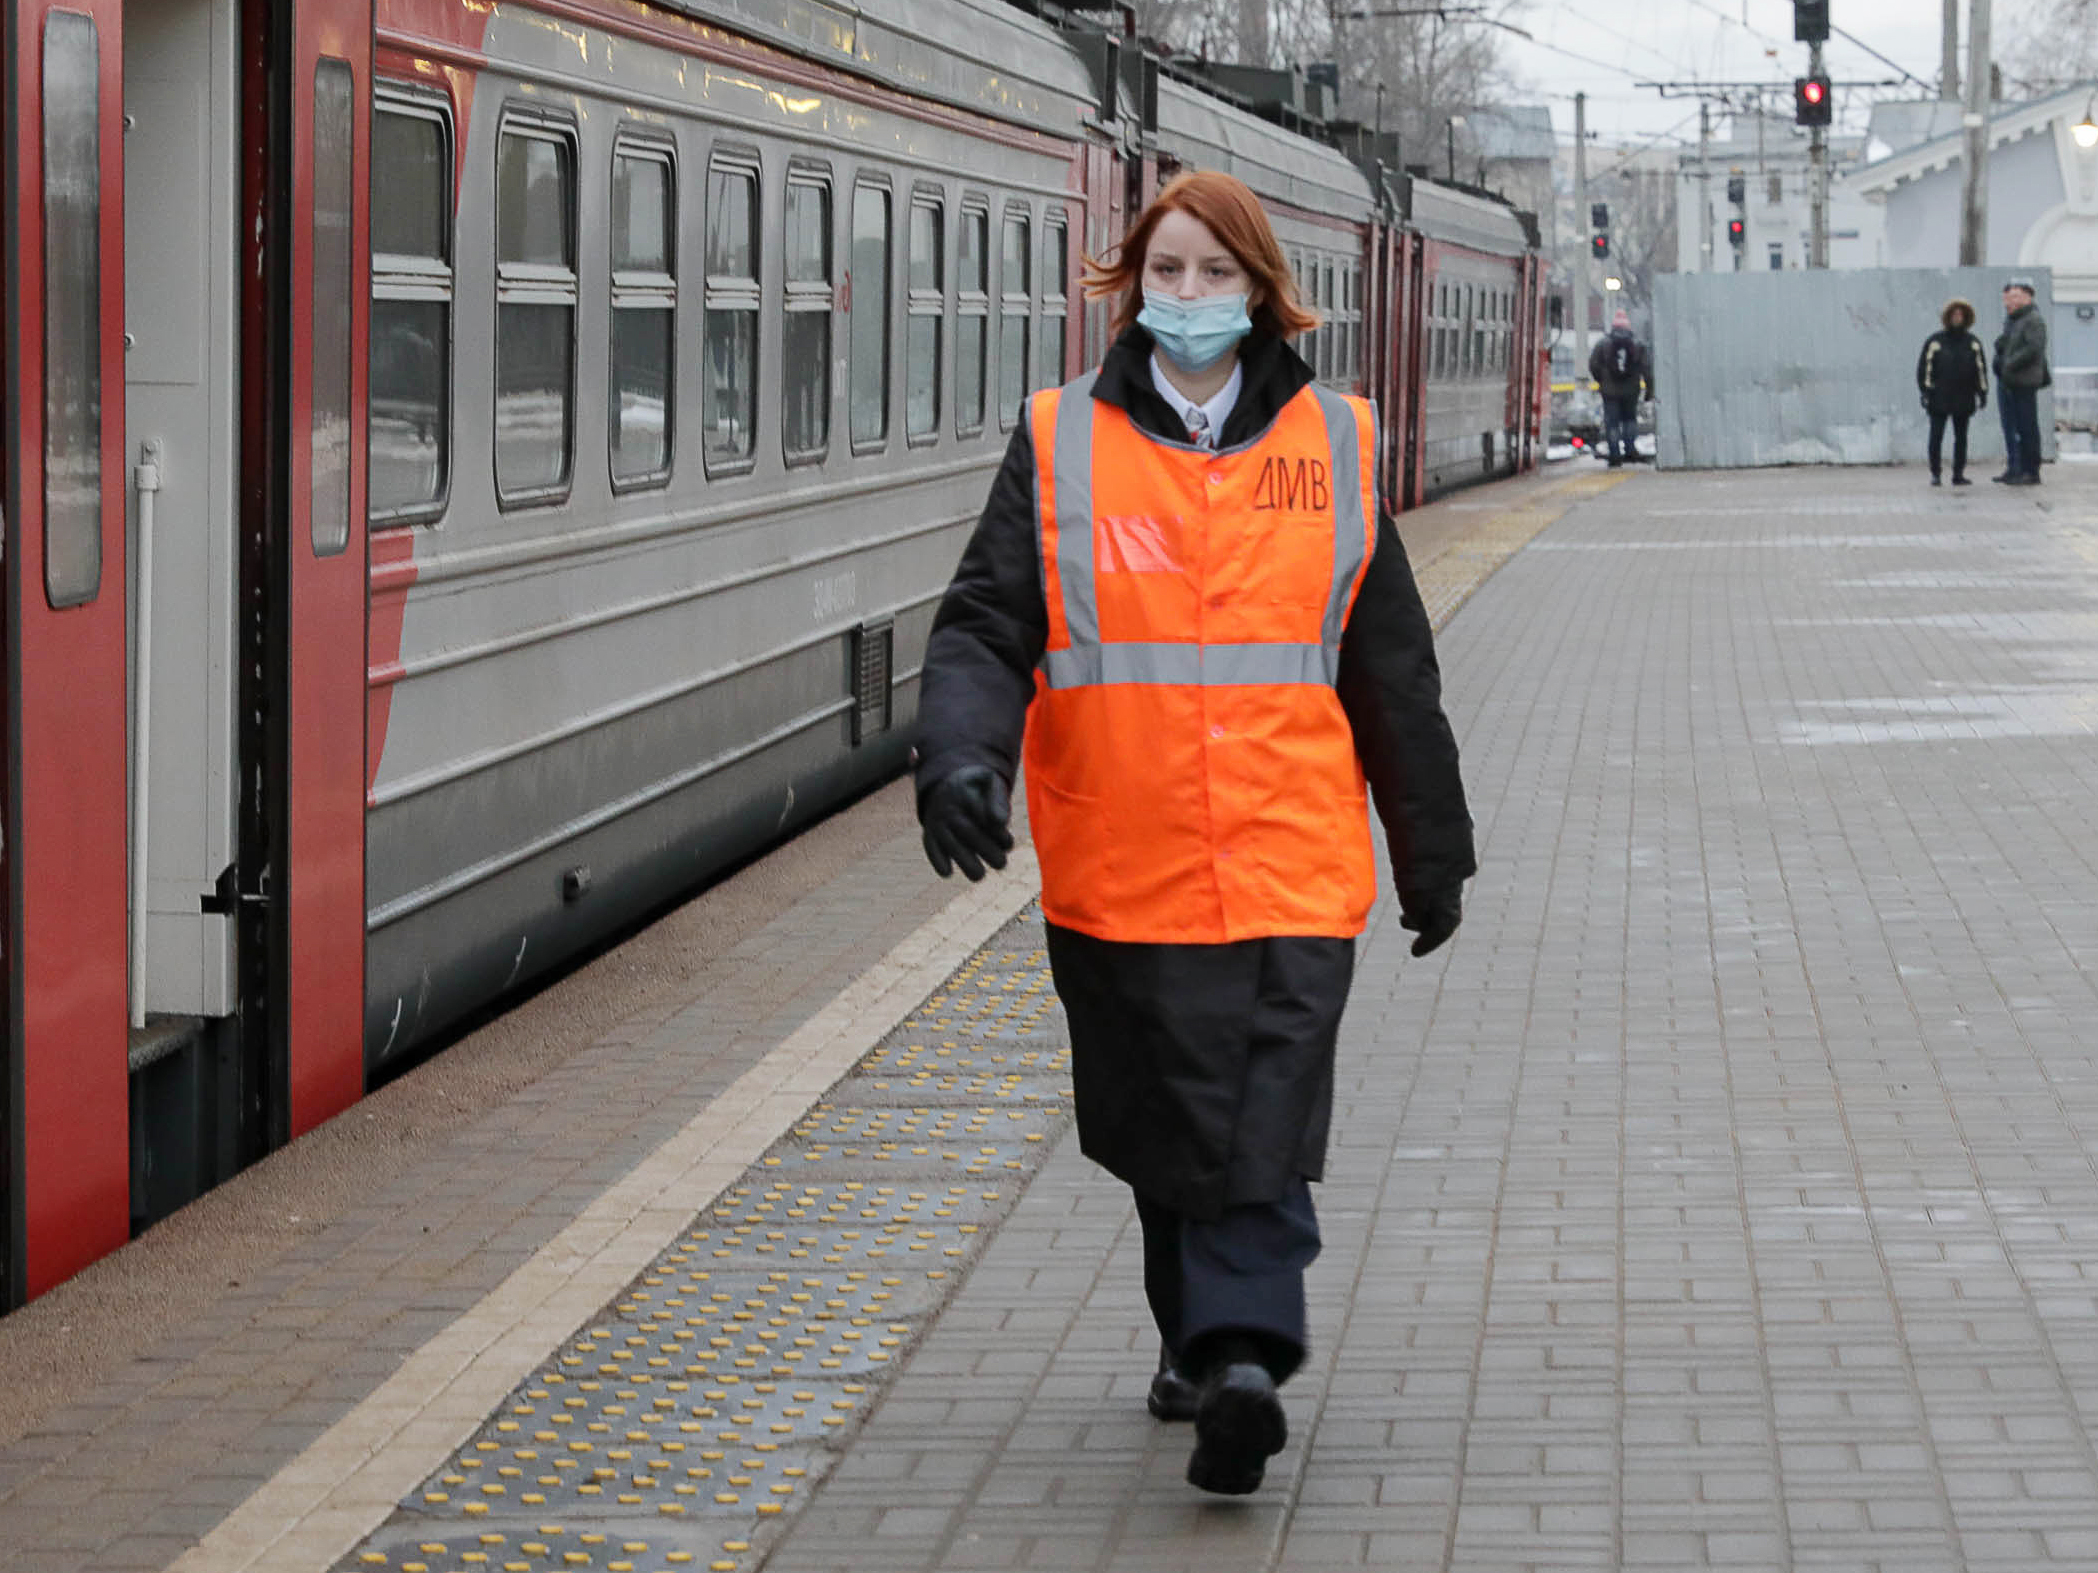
1172 1396
1239 1426
1936 482
1961 480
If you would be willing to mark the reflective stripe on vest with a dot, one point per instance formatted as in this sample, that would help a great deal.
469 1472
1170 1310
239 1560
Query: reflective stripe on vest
1087 661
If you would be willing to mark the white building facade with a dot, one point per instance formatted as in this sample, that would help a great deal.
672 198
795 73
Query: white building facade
1770 159
2043 208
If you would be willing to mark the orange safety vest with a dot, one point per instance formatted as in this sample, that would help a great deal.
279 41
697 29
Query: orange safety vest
1191 776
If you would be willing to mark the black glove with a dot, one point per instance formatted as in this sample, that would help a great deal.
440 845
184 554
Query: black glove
1924 400
1431 914
1984 403
964 817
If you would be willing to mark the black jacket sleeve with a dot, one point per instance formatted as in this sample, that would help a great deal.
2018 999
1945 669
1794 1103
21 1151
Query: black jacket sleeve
1391 689
1923 365
987 637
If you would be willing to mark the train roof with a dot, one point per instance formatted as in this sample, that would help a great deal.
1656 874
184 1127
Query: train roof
1203 131
1465 218
980 55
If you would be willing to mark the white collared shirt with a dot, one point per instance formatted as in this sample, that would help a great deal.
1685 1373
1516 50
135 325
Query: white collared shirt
1216 409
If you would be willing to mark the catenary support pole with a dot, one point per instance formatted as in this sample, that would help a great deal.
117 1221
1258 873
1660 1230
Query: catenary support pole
1581 236
1817 176
1949 61
1704 185
1974 190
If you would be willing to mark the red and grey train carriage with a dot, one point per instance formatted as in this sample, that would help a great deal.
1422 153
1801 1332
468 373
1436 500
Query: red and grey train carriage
471 473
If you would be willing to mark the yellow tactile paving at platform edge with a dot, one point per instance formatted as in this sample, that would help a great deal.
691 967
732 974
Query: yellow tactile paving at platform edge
1448 580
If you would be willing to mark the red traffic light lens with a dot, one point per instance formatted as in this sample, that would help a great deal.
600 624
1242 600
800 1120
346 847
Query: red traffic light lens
1814 92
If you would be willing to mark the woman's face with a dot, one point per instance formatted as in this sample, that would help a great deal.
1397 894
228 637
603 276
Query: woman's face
1185 259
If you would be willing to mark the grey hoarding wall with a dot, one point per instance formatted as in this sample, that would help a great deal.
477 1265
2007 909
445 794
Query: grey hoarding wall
1814 366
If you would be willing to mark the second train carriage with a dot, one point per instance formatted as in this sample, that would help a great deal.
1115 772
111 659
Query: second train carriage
552 425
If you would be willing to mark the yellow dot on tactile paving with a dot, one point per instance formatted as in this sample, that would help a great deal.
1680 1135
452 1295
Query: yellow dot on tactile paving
373 1557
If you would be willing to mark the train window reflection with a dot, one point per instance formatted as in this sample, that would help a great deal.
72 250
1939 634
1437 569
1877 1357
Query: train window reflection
408 412
1014 301
72 310
729 401
805 346
644 315
927 306
868 327
971 328
333 277
535 313
1056 284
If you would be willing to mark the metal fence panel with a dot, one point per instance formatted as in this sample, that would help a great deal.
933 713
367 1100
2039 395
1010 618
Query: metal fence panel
1815 366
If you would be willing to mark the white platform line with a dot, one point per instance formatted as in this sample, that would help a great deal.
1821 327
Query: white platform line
315 1510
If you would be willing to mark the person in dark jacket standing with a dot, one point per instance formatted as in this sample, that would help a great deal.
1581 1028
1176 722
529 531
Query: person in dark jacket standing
1621 369
1953 378
1185 603
2021 372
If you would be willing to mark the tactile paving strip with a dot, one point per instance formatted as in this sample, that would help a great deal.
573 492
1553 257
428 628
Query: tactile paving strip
1448 582
700 1407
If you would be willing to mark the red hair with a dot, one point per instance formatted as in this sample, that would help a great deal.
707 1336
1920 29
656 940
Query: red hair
1227 208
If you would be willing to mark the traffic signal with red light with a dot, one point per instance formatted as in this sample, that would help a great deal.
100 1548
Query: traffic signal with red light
1810 21
1601 245
1812 102
1737 232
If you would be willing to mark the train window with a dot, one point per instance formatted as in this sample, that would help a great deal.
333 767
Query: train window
1056 284
535 292
867 327
72 309
1351 303
1015 301
408 409
972 327
644 313
805 346
729 395
927 308
332 277
1329 343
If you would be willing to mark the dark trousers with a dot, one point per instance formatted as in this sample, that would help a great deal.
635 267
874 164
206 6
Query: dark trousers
1621 425
2021 429
1938 418
1239 1273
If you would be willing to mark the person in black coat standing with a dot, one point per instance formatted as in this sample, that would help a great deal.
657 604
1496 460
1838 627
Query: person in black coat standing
1952 377
1621 368
1202 1071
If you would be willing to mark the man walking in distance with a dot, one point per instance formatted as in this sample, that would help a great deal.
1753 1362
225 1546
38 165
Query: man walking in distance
1952 375
2021 372
1621 368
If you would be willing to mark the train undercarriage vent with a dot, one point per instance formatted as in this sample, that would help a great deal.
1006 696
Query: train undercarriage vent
873 661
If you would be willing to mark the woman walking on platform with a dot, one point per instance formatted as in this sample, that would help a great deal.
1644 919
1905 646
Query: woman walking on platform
1184 594
1952 375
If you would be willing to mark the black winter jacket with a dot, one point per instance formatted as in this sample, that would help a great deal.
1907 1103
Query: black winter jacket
1952 373
1620 366
993 625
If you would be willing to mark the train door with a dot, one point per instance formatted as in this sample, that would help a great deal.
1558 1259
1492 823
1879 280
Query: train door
307 80
62 479
195 1097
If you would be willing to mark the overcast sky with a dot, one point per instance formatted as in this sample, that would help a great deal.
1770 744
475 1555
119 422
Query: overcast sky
1606 47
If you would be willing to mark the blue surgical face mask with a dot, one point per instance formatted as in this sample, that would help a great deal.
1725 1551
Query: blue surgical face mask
1195 334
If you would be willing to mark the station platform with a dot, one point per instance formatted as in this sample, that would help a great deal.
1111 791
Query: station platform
1722 1196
